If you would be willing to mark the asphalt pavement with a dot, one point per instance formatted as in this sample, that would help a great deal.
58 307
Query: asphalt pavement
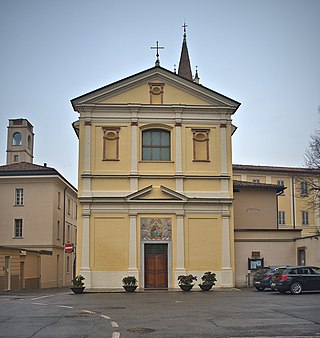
219 313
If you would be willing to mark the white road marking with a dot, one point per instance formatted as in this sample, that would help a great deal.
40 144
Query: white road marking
65 306
106 317
115 334
39 304
114 324
42 297
87 311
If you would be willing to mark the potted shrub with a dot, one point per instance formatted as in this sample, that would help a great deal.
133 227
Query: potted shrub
77 285
186 282
208 280
130 283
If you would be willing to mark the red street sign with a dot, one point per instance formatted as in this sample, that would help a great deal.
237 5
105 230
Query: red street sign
68 248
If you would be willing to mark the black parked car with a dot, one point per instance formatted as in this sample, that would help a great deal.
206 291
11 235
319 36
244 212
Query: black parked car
296 279
262 278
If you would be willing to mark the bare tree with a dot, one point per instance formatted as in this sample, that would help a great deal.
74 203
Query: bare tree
312 162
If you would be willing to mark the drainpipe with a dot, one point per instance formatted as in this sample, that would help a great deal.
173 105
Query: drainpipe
293 203
64 217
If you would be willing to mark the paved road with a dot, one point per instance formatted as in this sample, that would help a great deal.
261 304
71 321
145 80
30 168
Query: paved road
221 313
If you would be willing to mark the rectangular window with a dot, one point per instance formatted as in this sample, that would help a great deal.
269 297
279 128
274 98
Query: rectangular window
305 218
155 145
110 144
281 183
304 188
15 158
281 217
19 196
69 206
68 264
200 145
68 233
18 228
59 199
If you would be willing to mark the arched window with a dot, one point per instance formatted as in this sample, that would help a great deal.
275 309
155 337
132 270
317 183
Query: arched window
29 142
156 145
16 139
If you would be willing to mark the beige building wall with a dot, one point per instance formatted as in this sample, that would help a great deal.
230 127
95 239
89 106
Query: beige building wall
291 202
256 231
48 214
311 247
19 269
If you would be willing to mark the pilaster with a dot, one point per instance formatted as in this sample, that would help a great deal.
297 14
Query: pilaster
85 253
226 270
180 259
133 269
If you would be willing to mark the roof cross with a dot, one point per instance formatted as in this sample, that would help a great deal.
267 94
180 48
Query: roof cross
184 27
157 63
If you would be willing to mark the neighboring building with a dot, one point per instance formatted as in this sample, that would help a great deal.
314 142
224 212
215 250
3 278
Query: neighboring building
256 234
20 269
155 180
38 208
294 208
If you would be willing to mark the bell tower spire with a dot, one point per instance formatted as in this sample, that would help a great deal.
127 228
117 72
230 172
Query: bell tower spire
184 69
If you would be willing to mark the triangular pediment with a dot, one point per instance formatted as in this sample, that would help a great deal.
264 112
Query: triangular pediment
156 193
136 89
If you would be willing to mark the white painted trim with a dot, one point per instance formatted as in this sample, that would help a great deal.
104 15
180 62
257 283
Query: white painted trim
132 269
142 259
180 259
87 151
85 254
223 140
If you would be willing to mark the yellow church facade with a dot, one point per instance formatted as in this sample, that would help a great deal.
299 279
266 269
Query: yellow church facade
155 181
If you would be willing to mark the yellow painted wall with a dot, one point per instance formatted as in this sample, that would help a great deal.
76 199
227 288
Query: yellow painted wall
102 166
203 185
141 94
168 183
203 242
191 167
110 184
109 253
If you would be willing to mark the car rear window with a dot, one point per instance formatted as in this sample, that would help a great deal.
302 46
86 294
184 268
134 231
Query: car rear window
262 270
280 271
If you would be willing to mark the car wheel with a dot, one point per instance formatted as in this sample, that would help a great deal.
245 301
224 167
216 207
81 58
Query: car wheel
296 288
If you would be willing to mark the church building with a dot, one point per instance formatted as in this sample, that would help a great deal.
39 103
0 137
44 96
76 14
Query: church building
157 192
155 179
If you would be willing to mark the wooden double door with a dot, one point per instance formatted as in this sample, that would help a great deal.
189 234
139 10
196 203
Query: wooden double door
156 266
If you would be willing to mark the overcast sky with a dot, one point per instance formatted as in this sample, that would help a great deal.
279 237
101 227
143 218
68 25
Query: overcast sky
264 54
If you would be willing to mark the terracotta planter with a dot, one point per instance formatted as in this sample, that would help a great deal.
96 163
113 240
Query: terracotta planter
78 290
186 287
205 287
130 288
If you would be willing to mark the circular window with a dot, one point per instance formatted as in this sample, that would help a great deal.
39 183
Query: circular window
156 90
201 137
111 135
